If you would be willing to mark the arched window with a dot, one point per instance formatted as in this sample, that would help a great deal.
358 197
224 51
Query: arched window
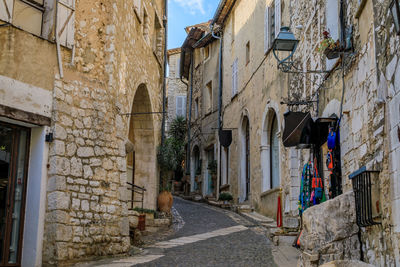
274 152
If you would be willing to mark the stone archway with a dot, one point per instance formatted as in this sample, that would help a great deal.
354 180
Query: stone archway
141 163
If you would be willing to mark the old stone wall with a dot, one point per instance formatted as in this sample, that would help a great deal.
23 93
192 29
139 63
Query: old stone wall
364 127
175 87
116 65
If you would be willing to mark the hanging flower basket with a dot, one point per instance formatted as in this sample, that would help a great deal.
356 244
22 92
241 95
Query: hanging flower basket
329 47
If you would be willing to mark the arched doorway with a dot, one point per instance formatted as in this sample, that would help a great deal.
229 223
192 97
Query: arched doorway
245 160
141 164
270 154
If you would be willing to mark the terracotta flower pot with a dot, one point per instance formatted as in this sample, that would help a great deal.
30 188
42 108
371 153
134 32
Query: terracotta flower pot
165 201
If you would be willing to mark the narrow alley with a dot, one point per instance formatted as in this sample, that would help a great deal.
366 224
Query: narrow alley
208 236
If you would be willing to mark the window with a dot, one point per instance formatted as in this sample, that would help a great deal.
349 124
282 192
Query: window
206 52
27 16
233 26
33 17
235 77
274 153
137 7
272 23
248 52
65 22
178 67
146 26
158 37
181 106
196 108
332 24
209 97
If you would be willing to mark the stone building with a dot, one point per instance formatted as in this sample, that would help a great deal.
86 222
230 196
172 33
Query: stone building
201 52
355 94
80 82
176 88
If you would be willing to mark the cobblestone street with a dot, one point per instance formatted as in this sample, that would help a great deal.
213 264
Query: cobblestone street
204 236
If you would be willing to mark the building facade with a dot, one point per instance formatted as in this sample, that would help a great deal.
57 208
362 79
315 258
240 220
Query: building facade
176 88
352 95
81 81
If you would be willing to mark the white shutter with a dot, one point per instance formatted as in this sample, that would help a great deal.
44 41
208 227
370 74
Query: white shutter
184 106
66 22
277 17
234 77
6 10
179 106
266 29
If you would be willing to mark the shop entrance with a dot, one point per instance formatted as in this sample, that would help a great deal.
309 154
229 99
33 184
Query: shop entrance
14 144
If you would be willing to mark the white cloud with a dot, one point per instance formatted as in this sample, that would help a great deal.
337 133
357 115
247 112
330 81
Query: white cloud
192 6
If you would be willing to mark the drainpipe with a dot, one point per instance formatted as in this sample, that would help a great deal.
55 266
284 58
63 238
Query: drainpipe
165 22
190 115
219 103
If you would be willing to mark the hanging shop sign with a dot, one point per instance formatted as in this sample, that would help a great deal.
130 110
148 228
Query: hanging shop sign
225 137
298 129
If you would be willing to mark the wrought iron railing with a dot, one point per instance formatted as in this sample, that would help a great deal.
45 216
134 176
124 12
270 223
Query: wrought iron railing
139 190
366 193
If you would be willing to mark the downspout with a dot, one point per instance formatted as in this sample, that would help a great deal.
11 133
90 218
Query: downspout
189 115
165 22
219 103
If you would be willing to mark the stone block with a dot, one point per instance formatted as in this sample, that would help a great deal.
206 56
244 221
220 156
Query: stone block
76 167
58 200
56 183
59 165
85 152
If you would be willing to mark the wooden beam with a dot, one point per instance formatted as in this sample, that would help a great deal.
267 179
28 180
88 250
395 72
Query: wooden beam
20 115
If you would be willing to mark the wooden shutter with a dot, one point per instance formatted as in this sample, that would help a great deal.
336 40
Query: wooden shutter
6 10
266 29
65 22
184 106
277 17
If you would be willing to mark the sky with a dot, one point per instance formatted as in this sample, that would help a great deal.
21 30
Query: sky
182 13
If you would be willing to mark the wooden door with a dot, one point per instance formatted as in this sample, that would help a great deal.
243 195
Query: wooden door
14 144
247 160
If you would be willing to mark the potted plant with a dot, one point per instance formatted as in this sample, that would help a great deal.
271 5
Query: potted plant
329 47
225 197
170 157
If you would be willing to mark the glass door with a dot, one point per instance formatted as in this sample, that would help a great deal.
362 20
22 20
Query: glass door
13 174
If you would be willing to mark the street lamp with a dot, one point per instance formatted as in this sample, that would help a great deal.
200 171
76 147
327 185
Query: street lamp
286 42
395 10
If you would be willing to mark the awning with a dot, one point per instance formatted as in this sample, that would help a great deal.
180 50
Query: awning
302 131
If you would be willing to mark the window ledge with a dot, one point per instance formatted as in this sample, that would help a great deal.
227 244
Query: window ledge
224 187
270 191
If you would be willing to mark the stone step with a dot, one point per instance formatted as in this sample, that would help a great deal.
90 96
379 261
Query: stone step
245 208
258 218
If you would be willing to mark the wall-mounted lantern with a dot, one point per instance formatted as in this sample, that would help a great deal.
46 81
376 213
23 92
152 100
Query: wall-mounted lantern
395 10
285 42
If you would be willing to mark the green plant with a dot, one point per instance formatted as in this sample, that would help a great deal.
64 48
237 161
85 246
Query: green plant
327 43
213 166
225 196
140 210
2 148
171 153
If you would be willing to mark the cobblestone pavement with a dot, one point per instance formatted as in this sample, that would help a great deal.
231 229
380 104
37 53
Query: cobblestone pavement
212 237
203 235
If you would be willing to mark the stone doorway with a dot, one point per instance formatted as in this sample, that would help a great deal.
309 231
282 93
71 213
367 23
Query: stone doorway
245 173
141 164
